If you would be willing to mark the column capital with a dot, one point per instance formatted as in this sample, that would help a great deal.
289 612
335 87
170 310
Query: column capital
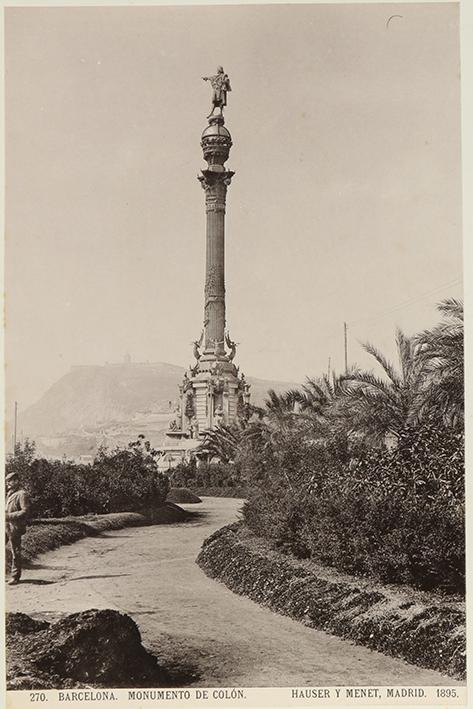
211 178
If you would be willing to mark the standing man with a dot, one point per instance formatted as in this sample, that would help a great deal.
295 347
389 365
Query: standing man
17 506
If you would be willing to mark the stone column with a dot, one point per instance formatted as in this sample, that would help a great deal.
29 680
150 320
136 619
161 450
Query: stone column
216 143
215 185
215 382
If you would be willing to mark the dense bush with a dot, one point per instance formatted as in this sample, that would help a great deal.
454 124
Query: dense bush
395 514
117 481
207 475
365 471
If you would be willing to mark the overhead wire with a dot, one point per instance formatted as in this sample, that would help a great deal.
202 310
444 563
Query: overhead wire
395 308
406 303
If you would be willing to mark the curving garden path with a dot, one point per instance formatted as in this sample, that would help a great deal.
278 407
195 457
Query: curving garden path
187 619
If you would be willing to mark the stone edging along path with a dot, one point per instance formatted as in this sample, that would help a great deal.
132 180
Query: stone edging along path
400 621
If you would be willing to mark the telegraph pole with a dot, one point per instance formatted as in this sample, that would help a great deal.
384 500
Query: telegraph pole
346 347
328 368
14 428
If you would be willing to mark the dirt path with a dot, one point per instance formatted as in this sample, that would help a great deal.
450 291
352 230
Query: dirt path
186 618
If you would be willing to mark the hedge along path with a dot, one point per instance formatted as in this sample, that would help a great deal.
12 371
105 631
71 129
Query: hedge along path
395 622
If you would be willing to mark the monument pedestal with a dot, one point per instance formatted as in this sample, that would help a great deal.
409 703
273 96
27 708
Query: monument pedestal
215 396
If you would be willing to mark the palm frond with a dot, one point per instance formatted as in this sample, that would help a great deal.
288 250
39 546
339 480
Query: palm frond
367 380
221 442
385 364
452 308
407 351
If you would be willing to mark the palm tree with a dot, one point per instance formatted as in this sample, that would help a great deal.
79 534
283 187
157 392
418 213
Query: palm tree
320 395
442 354
378 406
221 442
280 409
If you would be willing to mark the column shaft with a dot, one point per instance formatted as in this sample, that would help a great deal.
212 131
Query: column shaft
214 315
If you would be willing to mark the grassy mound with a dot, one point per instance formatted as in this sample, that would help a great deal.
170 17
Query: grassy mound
169 513
182 495
419 627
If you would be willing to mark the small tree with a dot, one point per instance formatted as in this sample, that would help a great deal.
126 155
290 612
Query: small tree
24 454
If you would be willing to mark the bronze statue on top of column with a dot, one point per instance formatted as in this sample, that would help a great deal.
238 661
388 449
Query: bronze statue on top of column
220 85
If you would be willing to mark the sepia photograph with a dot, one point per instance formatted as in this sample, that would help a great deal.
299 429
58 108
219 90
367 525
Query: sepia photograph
234 355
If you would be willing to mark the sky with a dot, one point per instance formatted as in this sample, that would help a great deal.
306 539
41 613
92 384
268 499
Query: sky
345 205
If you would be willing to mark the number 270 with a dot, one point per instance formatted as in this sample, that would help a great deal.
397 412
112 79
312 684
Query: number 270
37 697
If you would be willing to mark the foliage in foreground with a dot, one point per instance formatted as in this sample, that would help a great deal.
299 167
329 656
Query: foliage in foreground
397 515
121 480
365 472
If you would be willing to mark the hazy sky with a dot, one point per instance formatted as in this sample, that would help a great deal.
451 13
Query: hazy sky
346 203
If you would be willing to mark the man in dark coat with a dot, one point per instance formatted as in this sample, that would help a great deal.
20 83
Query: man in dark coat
17 507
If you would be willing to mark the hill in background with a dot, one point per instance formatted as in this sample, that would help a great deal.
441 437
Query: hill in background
111 404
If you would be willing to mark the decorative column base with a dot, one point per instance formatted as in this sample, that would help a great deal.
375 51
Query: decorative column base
214 395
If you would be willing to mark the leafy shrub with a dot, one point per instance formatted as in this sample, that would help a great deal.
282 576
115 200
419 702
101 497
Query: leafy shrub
207 475
117 481
395 514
